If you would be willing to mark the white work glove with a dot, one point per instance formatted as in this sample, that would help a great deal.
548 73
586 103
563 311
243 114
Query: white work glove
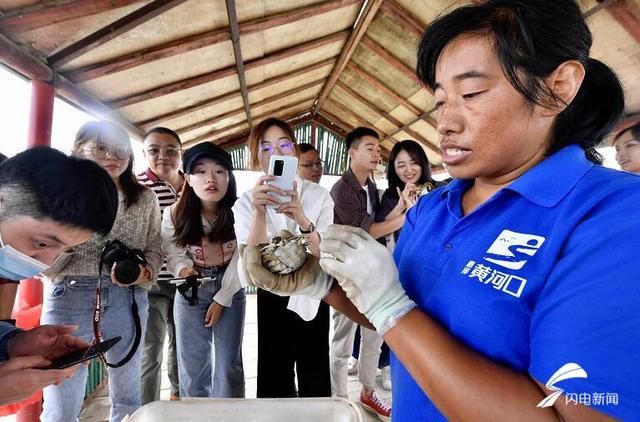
366 272
309 280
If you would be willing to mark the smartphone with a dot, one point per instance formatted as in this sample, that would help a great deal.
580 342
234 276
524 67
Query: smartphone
284 168
81 355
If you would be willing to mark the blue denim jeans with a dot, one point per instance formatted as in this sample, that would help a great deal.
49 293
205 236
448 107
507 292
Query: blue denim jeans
72 302
210 358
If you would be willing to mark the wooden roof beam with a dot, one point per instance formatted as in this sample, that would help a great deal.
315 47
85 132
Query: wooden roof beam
228 71
213 133
237 52
424 116
239 139
381 86
366 16
45 13
330 122
197 41
343 110
403 17
28 65
273 98
147 124
387 116
627 16
111 31
389 58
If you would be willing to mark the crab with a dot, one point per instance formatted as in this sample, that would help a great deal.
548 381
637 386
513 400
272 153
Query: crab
425 188
285 254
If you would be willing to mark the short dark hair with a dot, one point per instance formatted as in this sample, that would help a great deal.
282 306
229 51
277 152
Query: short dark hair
634 129
304 147
45 183
416 153
354 137
163 131
532 38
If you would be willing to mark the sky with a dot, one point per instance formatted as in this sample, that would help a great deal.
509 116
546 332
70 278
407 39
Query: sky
14 109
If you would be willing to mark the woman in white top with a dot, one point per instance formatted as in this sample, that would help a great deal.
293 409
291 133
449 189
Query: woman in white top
198 239
282 321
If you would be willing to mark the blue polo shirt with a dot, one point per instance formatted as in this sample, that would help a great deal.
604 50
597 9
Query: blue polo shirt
545 273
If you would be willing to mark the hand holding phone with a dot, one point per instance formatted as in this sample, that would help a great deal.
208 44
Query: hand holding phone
284 169
84 354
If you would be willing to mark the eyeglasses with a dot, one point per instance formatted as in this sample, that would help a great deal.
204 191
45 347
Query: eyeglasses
167 152
313 164
267 150
101 152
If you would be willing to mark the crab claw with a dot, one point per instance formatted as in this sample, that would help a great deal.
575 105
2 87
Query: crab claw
285 234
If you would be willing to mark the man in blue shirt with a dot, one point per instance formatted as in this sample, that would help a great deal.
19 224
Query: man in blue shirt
49 203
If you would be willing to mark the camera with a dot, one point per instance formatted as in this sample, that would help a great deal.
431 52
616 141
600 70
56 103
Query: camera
278 166
128 261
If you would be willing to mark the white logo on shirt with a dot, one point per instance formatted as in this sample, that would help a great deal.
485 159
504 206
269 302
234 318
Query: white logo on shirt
510 248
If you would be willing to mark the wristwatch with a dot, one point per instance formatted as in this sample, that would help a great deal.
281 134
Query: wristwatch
310 230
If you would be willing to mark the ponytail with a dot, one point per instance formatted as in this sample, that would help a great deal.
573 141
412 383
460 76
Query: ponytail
592 114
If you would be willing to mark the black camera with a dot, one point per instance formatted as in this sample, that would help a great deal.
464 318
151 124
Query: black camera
128 261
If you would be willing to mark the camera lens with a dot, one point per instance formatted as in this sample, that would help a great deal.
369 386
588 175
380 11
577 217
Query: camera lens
127 271
277 167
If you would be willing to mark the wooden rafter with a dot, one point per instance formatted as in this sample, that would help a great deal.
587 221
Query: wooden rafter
231 95
627 17
387 116
403 17
214 133
231 113
389 58
381 86
627 122
45 13
25 63
330 123
238 139
111 31
237 52
197 41
228 71
601 5
366 16
424 116
345 111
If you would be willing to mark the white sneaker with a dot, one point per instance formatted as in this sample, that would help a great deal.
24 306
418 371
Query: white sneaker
352 366
386 378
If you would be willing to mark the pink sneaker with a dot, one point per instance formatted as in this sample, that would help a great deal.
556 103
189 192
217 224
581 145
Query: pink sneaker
375 405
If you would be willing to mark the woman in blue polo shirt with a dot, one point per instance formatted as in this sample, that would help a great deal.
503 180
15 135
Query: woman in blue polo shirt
523 271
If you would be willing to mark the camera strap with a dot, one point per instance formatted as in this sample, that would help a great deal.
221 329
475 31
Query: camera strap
96 322
190 283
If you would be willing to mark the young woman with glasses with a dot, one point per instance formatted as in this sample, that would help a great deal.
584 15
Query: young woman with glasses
72 296
291 332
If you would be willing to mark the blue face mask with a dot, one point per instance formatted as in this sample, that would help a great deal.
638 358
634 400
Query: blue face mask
14 265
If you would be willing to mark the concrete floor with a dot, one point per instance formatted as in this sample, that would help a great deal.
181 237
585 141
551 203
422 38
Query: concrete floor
96 409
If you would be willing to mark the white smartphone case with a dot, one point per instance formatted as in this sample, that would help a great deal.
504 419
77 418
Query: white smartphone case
284 181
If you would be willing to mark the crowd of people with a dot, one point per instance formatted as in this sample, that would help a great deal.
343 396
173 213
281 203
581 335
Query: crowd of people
471 296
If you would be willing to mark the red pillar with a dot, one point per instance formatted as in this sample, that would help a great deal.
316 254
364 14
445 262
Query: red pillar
40 124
